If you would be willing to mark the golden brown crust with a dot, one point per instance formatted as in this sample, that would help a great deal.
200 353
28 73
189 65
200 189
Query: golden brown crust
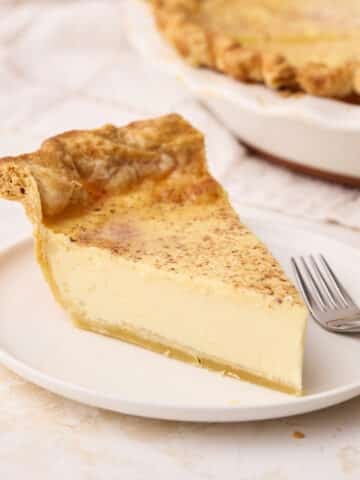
75 168
203 47
143 192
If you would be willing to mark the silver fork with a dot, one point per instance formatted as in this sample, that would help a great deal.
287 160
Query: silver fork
326 298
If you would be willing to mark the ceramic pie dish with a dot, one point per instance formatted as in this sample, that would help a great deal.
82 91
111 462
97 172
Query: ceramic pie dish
317 136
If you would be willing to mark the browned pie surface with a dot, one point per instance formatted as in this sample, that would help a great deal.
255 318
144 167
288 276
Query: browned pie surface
144 192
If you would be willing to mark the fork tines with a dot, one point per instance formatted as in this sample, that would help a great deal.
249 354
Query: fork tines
319 285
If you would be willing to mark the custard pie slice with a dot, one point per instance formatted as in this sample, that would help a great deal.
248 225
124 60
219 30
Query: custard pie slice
309 45
139 242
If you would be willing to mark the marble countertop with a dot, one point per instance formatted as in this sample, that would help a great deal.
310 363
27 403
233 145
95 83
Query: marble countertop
66 64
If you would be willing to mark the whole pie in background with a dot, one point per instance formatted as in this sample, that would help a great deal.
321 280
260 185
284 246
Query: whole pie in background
310 45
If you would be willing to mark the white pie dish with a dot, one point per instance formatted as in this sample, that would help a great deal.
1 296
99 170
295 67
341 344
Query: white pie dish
315 135
38 341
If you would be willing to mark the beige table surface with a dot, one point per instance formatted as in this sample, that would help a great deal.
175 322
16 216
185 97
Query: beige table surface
66 65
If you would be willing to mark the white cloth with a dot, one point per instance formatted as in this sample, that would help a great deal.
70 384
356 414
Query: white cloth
68 65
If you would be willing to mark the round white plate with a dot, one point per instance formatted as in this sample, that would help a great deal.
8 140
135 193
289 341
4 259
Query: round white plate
314 134
38 341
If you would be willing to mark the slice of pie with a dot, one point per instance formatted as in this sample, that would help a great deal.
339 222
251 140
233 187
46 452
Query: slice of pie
139 242
308 45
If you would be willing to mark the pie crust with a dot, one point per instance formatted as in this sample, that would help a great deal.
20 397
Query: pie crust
77 182
246 58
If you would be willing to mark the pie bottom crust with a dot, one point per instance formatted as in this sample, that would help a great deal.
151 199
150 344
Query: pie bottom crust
159 345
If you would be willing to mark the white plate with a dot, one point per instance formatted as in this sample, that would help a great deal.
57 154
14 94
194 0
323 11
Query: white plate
38 341
312 132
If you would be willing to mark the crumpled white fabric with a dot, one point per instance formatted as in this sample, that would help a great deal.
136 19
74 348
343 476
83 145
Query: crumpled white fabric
66 65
